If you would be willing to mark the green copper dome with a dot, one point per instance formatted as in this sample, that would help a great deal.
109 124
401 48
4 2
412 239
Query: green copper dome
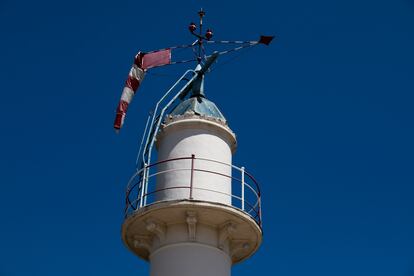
199 106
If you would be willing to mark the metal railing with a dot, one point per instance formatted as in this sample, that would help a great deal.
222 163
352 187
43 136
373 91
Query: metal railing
245 191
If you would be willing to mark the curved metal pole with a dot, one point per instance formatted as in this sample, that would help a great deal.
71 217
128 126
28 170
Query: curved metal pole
156 109
142 140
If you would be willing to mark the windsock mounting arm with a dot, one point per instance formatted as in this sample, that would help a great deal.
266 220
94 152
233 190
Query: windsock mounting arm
201 70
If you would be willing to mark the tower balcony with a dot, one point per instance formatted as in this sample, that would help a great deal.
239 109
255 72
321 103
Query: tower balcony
194 179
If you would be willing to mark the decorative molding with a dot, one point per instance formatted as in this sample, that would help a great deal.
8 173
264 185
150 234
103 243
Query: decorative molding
156 228
142 241
192 225
225 233
192 115
239 246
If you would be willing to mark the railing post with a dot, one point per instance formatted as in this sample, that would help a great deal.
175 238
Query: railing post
242 188
146 183
192 175
126 202
141 201
260 212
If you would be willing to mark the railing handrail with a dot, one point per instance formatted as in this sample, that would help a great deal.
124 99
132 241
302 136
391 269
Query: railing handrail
197 158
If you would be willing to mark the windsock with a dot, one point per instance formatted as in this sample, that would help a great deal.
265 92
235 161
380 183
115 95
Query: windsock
142 62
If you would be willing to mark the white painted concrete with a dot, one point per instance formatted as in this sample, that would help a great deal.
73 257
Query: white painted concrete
190 259
204 139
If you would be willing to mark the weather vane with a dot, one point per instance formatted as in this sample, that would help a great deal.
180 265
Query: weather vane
145 61
200 37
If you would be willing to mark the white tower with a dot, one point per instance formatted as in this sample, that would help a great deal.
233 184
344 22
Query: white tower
193 212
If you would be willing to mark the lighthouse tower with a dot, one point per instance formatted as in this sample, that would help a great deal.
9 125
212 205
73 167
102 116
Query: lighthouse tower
190 211
196 213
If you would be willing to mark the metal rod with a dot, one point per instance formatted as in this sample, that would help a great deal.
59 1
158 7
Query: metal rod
146 184
143 138
141 201
201 13
260 212
192 175
242 187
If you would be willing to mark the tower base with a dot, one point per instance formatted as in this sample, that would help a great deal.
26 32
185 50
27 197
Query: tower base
198 237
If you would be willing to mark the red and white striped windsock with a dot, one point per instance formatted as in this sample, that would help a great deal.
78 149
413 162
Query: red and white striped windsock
135 77
142 62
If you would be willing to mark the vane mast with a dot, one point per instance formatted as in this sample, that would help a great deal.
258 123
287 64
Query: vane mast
200 37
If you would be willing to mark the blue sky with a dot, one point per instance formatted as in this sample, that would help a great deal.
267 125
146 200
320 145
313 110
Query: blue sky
324 119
